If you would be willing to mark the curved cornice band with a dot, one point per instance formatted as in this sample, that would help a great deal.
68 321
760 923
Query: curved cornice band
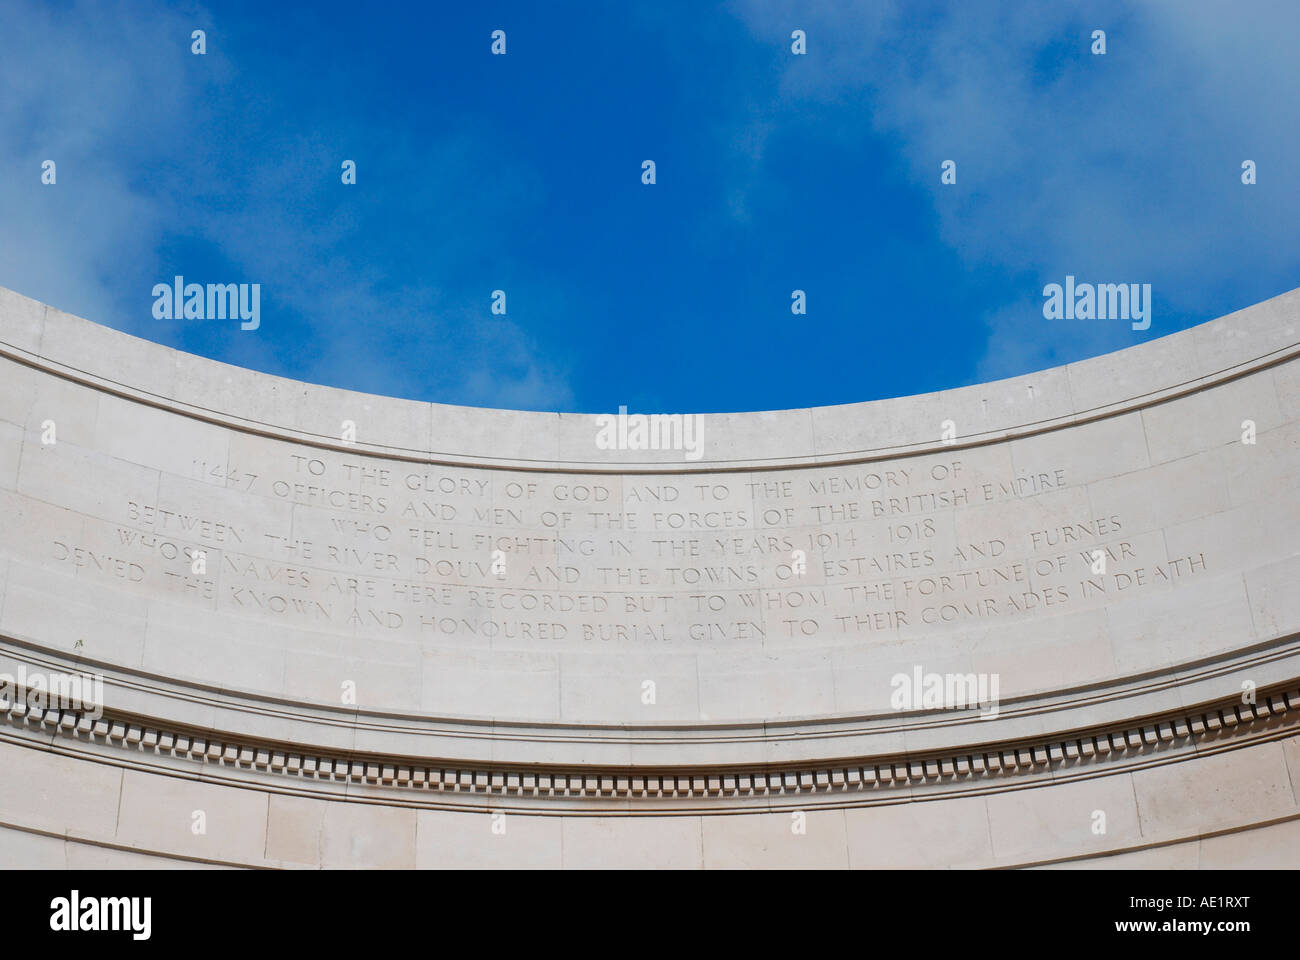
1157 371
1168 737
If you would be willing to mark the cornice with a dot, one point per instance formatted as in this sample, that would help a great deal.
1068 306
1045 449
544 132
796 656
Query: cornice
177 750
167 703
158 699
797 428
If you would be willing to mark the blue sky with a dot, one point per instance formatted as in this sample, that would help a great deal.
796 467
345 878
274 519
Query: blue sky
775 172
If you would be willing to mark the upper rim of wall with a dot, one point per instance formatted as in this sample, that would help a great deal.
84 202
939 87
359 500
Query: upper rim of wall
1151 372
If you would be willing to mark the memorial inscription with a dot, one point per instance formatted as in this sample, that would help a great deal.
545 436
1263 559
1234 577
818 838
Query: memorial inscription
698 561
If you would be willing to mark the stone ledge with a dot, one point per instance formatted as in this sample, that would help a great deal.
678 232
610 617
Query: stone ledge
987 768
81 351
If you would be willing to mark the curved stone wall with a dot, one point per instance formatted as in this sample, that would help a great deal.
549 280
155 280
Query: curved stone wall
359 631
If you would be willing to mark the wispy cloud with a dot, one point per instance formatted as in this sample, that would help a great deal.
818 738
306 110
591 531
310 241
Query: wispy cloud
147 188
1123 167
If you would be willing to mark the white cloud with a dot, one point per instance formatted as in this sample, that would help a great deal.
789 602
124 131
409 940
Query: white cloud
112 93
1122 168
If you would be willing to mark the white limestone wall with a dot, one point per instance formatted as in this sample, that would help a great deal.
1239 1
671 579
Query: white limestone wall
332 568
347 601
